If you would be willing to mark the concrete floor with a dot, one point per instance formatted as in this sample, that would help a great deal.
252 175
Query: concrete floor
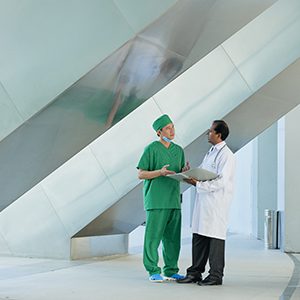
251 273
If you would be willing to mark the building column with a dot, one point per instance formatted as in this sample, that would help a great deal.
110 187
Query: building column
289 192
266 180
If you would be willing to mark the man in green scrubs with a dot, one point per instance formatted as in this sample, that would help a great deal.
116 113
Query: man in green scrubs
162 201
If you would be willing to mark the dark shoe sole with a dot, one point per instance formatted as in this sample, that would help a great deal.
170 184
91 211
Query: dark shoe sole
187 280
209 283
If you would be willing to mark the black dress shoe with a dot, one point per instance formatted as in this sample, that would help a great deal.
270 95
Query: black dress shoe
210 281
189 279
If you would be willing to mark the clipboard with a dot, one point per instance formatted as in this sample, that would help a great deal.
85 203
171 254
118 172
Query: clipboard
197 173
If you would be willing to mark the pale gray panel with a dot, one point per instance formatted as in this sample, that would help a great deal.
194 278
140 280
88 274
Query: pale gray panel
260 57
141 13
4 250
266 177
289 79
225 19
201 95
264 107
178 23
213 22
119 149
79 191
47 45
40 233
93 246
291 185
121 218
258 112
10 117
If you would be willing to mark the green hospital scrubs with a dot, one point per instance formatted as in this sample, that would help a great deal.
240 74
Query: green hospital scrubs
162 205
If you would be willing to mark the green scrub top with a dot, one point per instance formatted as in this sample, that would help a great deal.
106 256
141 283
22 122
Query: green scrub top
162 192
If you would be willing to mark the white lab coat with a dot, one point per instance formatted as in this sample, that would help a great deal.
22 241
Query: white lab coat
213 197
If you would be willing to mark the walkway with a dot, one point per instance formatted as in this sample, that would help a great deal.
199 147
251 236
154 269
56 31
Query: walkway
251 273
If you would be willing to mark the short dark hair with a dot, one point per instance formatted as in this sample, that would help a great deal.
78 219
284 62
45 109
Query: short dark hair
222 128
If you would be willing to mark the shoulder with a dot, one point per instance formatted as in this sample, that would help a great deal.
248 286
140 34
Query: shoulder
152 146
177 147
227 154
228 151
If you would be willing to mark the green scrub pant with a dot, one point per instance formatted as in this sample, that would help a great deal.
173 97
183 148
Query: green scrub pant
162 225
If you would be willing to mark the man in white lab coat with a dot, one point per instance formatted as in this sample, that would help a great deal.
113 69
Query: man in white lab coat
213 198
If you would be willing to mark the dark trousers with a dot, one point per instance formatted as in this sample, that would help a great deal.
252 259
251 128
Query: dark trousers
207 249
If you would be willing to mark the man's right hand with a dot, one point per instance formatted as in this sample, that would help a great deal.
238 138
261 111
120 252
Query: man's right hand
191 181
164 171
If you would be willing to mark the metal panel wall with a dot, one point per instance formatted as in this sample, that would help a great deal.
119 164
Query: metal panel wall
111 90
118 150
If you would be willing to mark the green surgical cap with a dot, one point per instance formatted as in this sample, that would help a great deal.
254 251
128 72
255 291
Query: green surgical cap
161 122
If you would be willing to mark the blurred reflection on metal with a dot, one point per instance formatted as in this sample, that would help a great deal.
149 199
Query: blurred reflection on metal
127 78
113 89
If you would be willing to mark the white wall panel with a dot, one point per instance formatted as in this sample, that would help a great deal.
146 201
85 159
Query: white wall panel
241 211
4 250
34 216
119 149
291 184
10 117
264 48
79 191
